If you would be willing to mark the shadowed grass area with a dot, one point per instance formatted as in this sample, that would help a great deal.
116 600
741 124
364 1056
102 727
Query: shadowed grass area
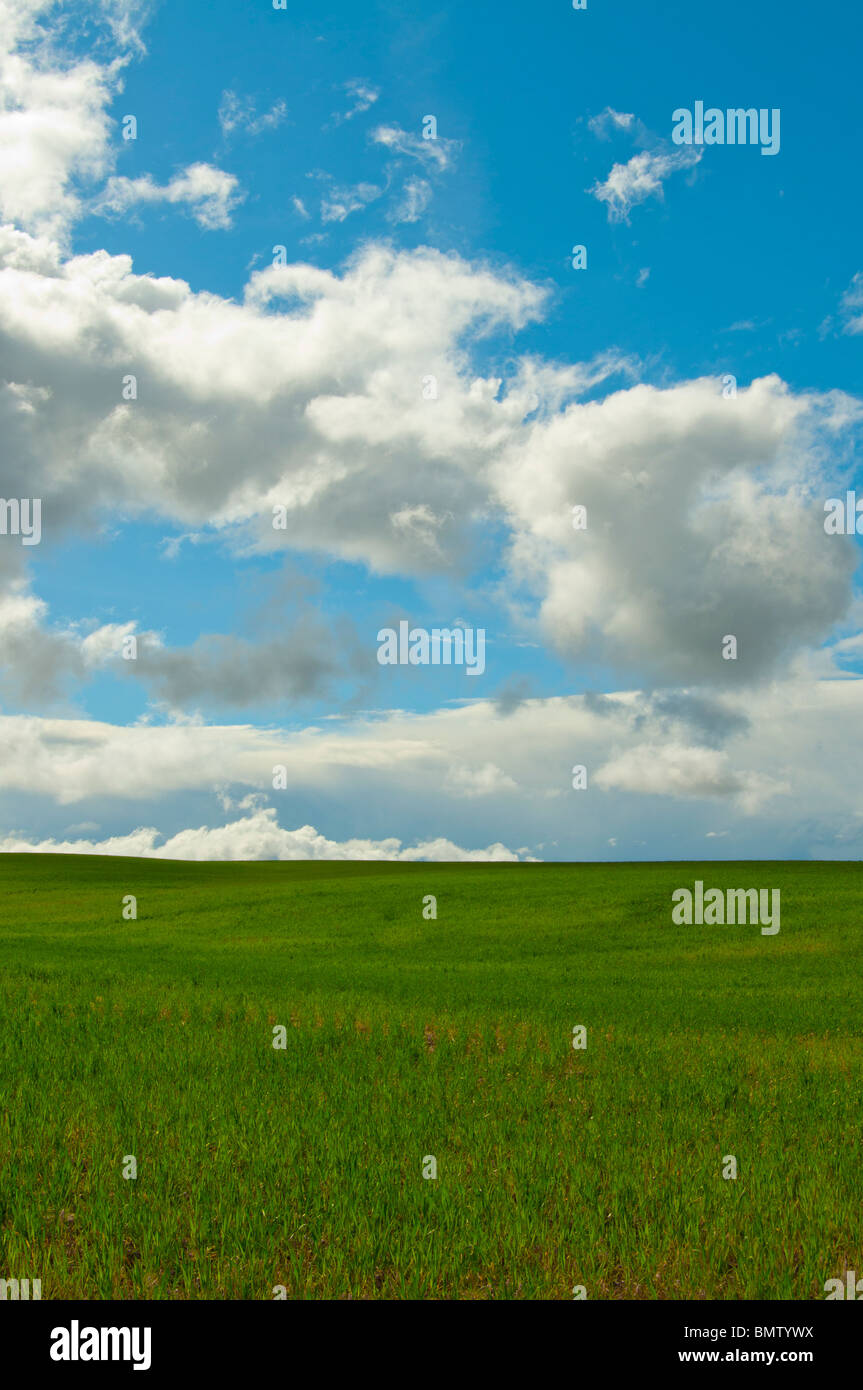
408 1038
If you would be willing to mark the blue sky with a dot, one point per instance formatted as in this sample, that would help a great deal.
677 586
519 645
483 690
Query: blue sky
771 241
302 129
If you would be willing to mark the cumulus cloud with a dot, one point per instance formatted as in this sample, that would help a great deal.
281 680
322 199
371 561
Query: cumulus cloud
329 387
40 663
58 142
472 750
55 132
259 836
781 766
705 515
210 194
673 769
703 512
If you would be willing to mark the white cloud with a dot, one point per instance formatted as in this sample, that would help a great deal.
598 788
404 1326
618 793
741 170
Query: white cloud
778 755
341 202
852 305
57 140
435 155
54 127
663 474
106 643
640 178
416 196
488 780
703 513
259 836
238 113
364 96
675 769
125 19
438 153
210 194
330 387
609 121
321 387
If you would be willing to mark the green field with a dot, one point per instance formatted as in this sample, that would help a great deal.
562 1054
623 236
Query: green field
409 1038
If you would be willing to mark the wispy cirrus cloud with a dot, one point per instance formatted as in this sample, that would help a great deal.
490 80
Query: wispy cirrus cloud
209 194
340 202
363 94
438 152
610 121
415 198
238 113
852 305
640 178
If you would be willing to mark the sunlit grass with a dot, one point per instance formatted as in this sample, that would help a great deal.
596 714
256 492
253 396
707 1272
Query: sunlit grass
302 1167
